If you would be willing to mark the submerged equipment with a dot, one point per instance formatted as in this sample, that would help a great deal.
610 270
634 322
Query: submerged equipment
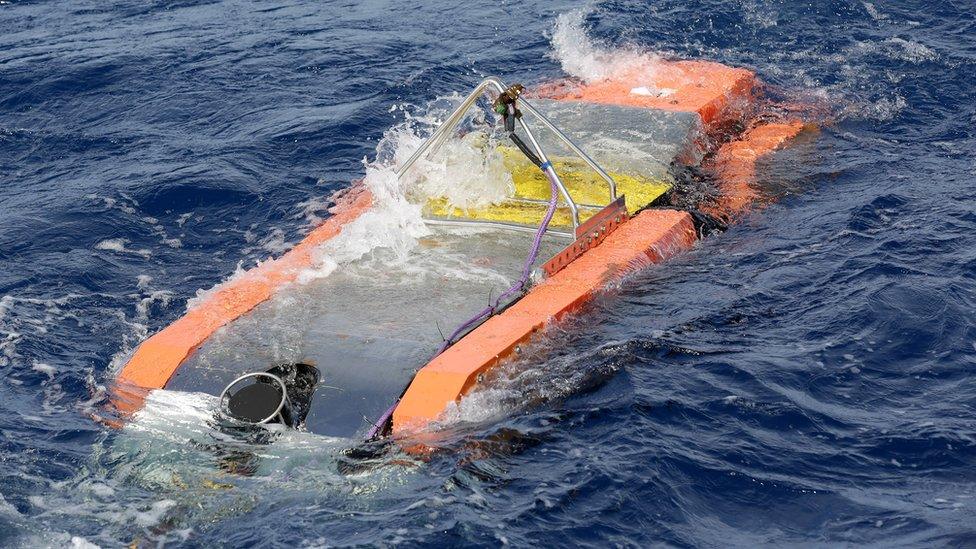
280 395
698 120
263 400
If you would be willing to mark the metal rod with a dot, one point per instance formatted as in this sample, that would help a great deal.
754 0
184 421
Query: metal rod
447 126
435 140
559 183
540 201
569 142
495 224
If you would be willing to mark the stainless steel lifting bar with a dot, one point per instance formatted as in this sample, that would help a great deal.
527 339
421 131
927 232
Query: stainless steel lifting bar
434 142
569 143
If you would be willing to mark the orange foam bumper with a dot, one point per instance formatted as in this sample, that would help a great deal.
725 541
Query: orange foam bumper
649 237
734 165
157 358
716 92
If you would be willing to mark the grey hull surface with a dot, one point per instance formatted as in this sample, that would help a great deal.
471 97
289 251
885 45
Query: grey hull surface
630 140
368 325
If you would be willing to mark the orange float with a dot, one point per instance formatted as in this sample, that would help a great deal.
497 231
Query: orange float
734 165
716 92
157 359
649 237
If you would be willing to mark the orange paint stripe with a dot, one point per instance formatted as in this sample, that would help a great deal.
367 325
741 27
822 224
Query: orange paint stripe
734 165
651 236
157 358
716 92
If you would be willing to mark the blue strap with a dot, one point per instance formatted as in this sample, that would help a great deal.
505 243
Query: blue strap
545 165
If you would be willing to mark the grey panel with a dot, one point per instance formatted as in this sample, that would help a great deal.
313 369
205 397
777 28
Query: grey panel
368 326
628 140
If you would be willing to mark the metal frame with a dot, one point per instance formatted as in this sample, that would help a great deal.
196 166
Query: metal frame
437 139
495 224
569 143
278 413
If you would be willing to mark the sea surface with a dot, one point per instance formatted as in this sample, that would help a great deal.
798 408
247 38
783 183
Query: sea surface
807 377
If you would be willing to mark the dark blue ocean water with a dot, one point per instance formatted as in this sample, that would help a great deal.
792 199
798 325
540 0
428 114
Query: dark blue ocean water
807 377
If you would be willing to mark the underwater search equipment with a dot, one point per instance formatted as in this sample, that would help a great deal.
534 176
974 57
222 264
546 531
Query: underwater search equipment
280 395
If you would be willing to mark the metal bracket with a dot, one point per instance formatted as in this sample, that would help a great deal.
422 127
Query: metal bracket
589 234
443 132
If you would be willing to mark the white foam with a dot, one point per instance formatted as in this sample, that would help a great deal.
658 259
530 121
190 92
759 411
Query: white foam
118 245
45 369
162 297
82 543
113 244
8 348
895 48
171 412
313 208
874 12
467 171
142 281
911 51
6 302
8 509
592 61
391 223
155 514
273 242
112 203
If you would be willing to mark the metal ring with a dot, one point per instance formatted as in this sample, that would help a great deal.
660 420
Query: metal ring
281 384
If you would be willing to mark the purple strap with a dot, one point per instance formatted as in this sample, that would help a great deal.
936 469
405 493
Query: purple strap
490 310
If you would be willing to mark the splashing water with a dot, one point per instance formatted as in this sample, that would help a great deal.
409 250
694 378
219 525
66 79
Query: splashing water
581 56
468 171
